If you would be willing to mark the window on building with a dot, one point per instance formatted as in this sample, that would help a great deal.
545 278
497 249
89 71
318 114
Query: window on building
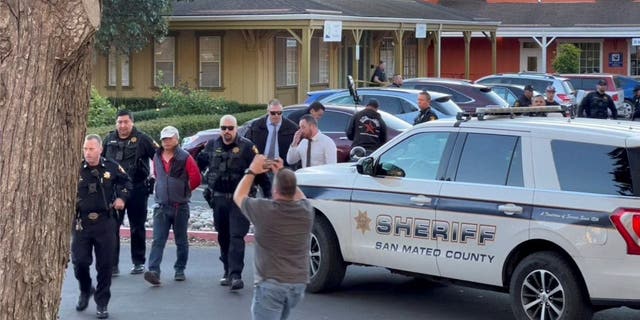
124 67
386 55
164 64
319 61
590 56
410 59
635 61
210 58
286 62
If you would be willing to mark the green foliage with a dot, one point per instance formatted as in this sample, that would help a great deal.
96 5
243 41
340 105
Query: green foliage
187 125
101 112
568 59
129 26
133 104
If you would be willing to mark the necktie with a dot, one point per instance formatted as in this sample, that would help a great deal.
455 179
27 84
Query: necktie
272 144
308 153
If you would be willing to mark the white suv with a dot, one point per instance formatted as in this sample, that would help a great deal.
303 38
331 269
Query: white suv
545 208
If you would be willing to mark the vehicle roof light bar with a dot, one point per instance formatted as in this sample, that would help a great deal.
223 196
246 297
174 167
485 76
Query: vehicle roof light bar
512 112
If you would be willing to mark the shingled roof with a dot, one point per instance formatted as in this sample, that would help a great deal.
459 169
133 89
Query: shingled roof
410 9
600 13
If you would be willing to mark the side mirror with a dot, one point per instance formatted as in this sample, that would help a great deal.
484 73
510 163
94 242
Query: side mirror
365 166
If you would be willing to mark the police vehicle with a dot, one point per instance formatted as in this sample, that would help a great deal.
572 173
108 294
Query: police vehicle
544 208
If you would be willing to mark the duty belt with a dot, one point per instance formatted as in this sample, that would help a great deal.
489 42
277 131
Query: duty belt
222 194
95 216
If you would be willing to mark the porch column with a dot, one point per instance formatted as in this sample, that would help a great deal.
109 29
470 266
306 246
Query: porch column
544 43
357 34
304 83
494 53
437 59
467 52
398 36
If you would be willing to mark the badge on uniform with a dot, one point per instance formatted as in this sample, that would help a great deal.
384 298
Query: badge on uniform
235 150
134 139
107 175
93 216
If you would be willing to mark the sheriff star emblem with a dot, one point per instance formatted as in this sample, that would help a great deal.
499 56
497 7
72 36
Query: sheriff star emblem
134 139
362 221
235 150
107 175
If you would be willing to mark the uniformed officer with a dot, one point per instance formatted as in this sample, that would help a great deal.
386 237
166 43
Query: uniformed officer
132 149
525 99
226 158
635 115
103 187
426 114
596 103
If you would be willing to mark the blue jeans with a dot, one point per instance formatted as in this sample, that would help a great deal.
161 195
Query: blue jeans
273 300
164 218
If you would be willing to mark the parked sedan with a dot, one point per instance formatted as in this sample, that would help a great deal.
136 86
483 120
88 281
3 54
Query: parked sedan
333 123
466 95
403 103
510 92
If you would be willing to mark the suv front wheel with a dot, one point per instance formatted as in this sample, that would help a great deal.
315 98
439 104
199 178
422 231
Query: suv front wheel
326 266
544 287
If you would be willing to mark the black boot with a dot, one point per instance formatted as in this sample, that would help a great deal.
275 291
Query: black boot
102 312
83 299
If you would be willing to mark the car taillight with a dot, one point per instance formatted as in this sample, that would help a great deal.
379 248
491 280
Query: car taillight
565 98
627 221
615 97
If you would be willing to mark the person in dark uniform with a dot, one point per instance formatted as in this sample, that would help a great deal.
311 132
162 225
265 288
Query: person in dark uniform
225 160
133 150
367 129
379 77
273 133
315 109
525 99
426 114
635 112
103 187
397 81
550 96
596 103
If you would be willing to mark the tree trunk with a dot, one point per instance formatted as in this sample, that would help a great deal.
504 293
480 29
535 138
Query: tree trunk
45 64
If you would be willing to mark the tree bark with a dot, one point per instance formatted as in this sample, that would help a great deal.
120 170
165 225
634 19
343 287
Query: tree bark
45 63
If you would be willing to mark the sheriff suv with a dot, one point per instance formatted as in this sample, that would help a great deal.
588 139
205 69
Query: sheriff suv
544 208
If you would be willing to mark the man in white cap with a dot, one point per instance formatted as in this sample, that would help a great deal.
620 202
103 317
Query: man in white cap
177 175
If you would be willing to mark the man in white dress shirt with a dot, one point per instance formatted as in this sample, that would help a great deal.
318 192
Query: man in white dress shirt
310 146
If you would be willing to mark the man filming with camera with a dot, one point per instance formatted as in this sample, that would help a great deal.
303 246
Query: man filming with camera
226 158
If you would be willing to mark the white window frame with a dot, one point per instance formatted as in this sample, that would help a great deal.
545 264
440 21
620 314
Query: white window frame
210 54
287 65
125 79
159 56
598 42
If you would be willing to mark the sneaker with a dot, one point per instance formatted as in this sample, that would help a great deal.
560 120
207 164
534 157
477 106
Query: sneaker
225 281
179 276
102 312
137 269
115 271
237 284
152 277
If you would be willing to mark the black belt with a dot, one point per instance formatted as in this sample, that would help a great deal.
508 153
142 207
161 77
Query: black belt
95 216
222 194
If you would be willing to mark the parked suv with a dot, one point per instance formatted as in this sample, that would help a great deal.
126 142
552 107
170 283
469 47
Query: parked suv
565 92
588 82
500 202
466 95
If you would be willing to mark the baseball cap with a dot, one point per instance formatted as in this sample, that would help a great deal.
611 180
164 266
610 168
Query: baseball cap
373 103
551 88
169 132
602 82
528 87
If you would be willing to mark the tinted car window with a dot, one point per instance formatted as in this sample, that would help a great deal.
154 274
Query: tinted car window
392 105
333 121
506 95
445 106
455 95
501 166
344 100
592 168
418 156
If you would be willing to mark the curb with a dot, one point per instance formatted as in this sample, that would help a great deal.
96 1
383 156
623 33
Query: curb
198 235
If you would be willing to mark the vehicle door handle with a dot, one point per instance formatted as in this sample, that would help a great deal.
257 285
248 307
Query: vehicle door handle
420 200
510 209
343 138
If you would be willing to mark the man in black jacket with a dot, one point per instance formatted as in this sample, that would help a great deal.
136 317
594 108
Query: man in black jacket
274 133
596 103
367 129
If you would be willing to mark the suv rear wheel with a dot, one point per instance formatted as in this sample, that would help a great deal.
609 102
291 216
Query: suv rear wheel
544 287
627 108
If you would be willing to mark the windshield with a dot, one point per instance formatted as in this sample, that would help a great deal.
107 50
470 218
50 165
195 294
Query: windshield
394 123
446 106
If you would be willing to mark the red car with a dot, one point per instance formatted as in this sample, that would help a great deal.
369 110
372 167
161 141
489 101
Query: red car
333 124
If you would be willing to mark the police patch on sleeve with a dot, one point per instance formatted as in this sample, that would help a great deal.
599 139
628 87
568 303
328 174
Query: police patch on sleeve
254 149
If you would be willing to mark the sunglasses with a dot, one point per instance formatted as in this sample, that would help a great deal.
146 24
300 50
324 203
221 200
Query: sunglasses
275 113
227 128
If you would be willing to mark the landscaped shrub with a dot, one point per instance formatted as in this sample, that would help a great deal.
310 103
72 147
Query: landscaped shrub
133 104
101 112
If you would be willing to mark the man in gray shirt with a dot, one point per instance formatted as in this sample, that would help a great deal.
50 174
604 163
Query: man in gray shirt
282 236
